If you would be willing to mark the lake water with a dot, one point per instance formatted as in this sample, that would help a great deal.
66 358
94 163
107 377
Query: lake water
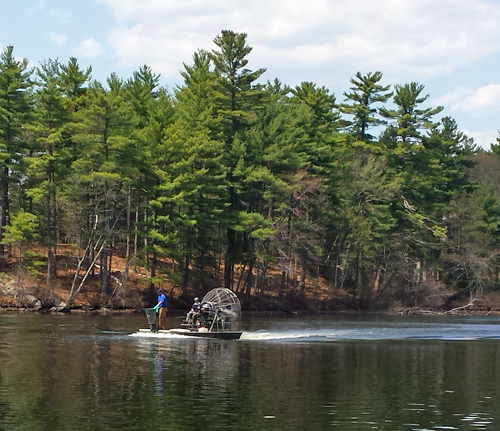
295 373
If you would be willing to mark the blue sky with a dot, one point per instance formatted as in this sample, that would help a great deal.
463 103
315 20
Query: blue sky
452 47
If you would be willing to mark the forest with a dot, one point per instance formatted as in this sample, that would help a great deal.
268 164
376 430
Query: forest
231 180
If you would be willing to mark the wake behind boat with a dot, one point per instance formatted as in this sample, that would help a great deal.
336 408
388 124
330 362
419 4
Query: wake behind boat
219 316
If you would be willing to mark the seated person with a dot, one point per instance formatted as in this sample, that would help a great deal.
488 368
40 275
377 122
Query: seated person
193 314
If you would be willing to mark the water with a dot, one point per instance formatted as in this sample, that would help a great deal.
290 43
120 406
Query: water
298 373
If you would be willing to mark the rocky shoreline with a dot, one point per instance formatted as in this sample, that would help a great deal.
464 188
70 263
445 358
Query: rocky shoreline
15 298
63 308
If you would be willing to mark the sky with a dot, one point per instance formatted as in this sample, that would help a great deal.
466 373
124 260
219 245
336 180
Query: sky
452 47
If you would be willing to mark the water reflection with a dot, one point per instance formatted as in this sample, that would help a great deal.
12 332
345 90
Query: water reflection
90 374
158 358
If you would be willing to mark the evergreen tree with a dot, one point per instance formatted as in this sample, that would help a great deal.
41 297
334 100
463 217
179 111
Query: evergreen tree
154 116
322 125
495 148
50 160
192 191
15 110
365 236
447 154
410 125
409 120
108 161
238 98
365 92
73 81
312 203
142 90
411 156
470 257
275 151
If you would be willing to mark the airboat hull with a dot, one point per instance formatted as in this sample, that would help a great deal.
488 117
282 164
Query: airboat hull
226 335
218 316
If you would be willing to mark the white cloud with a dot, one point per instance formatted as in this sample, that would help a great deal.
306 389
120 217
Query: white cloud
453 97
483 138
450 42
483 98
410 38
477 111
59 39
89 48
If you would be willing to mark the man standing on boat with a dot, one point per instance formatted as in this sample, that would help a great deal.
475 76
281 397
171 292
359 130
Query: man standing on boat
162 308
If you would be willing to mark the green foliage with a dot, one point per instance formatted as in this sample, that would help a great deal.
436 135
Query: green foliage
22 230
365 92
15 116
228 175
408 118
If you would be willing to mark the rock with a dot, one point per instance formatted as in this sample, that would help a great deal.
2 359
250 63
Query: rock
62 307
30 300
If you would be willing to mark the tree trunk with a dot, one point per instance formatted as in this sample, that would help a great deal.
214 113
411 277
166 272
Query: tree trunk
103 272
303 277
376 283
4 210
136 236
50 257
229 259
154 260
185 280
128 239
51 233
248 283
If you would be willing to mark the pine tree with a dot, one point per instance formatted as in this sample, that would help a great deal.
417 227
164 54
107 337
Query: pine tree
154 111
409 120
108 160
237 98
142 90
365 92
322 124
50 160
275 151
15 110
192 191
73 80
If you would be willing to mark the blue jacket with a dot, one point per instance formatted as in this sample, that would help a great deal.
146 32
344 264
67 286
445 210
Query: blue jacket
162 300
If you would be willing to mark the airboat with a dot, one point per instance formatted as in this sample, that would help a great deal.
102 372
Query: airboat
219 317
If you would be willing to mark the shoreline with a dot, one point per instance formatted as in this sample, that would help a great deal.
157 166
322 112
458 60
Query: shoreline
459 311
